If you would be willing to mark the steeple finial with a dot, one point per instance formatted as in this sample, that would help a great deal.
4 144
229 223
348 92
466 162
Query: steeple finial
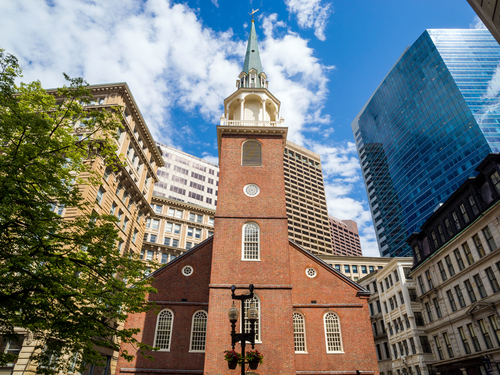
252 57
253 12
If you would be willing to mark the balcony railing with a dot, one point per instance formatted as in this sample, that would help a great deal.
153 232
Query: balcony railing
225 122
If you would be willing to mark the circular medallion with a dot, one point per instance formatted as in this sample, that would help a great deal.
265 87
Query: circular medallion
251 190
311 272
187 270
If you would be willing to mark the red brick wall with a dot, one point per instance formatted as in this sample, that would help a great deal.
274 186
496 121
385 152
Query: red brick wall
331 293
172 287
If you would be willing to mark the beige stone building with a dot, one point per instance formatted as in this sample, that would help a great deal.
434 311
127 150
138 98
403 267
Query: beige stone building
305 200
457 268
345 237
355 267
398 328
175 228
126 193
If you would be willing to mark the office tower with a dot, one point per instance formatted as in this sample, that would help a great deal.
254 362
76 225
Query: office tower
305 200
187 178
309 318
345 237
489 12
430 122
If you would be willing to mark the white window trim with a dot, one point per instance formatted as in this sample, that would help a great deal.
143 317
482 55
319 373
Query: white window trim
243 243
259 331
191 337
305 335
171 329
341 351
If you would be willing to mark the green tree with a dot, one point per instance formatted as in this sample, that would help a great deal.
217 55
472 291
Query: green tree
63 280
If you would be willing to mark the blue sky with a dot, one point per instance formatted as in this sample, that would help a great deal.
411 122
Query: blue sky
323 59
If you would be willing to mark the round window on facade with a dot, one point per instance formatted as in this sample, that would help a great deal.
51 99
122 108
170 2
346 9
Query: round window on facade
251 190
311 272
187 270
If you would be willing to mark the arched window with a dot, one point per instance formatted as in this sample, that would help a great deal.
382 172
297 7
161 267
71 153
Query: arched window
198 331
163 334
332 333
248 302
251 155
251 242
299 333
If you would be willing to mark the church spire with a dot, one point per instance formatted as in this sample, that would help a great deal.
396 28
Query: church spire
252 57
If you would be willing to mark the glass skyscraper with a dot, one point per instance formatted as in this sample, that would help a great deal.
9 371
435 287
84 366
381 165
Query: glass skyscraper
434 117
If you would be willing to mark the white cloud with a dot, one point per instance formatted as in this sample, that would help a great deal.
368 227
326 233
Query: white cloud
216 3
210 158
477 24
311 14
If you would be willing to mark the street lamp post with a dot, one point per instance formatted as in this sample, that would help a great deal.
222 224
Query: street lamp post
252 315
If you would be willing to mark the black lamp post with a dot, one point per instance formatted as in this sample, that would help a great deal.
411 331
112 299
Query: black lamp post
252 315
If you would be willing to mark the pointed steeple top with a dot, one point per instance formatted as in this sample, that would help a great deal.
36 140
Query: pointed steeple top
252 57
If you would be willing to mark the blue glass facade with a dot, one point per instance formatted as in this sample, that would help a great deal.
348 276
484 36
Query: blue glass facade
435 116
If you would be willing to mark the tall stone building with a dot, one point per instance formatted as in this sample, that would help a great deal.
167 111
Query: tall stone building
125 193
311 319
457 272
305 200
345 237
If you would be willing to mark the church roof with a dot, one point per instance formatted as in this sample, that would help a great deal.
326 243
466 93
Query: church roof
252 57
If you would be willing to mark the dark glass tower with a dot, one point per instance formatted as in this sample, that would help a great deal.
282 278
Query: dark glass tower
435 116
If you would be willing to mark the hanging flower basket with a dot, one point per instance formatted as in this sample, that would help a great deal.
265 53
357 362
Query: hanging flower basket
233 358
254 358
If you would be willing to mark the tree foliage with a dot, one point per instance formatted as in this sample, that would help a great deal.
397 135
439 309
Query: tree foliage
62 280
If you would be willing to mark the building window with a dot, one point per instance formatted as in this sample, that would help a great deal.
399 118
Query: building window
441 234
479 246
347 268
256 301
470 291
363 269
100 194
438 347
251 155
475 341
455 219
429 279
251 241
468 253
461 299
473 205
442 271
430 317
155 224
152 238
413 295
463 211
164 258
448 227
354 269
332 333
489 239
459 259
493 279
198 331
412 345
421 283
396 275
12 347
426 346
495 178
465 342
451 300
189 245
436 306
447 342
496 328
163 333
480 286
486 334
134 236
299 333
434 239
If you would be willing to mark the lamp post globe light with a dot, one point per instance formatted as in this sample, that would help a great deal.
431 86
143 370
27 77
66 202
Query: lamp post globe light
252 315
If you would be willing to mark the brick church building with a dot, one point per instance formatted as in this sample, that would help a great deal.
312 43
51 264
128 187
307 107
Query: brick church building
312 319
